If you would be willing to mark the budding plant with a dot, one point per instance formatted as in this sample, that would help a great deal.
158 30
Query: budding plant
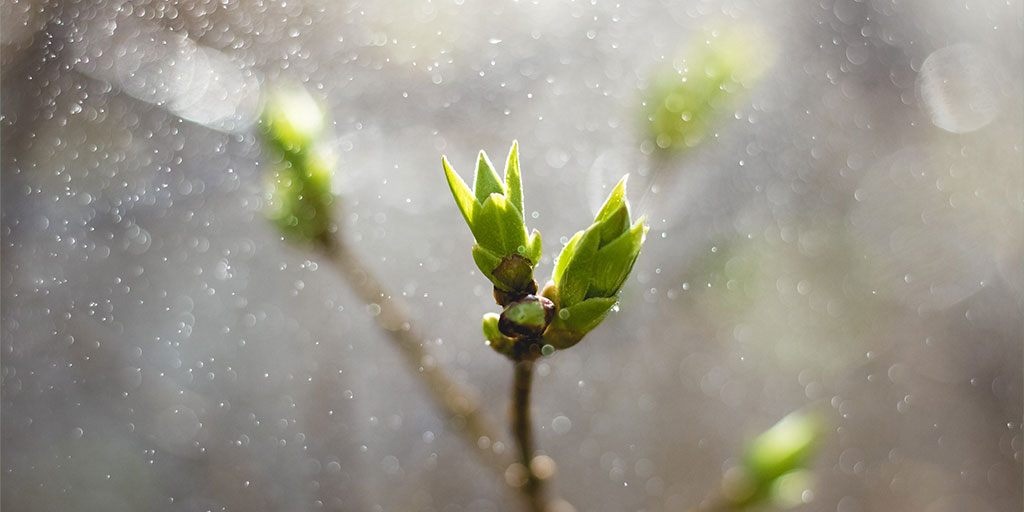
584 287
534 322
588 273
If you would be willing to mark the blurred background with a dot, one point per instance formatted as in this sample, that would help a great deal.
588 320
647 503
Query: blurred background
834 189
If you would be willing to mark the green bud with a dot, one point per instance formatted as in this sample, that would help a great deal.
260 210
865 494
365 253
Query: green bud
591 270
299 194
715 69
494 212
292 119
527 317
495 339
784 447
772 466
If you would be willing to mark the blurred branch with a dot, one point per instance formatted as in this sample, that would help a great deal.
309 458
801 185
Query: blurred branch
301 203
458 402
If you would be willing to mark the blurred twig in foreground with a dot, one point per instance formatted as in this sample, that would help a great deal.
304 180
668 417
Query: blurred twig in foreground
772 470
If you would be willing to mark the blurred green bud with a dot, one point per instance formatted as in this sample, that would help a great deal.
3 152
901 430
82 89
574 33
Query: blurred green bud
783 448
591 270
706 79
772 467
790 489
495 339
494 212
527 317
299 202
299 194
292 119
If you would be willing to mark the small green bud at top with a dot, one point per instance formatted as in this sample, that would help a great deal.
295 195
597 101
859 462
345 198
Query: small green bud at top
494 212
526 318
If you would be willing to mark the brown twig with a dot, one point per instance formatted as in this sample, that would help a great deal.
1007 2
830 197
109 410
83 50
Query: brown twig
459 403
533 488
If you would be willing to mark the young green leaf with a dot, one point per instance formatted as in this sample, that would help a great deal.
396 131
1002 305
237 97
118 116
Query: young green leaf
579 269
486 181
485 259
533 247
615 261
565 257
463 195
572 323
614 224
513 180
615 200
500 228
591 270
494 212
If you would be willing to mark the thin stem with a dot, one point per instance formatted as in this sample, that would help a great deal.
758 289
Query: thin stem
459 403
523 431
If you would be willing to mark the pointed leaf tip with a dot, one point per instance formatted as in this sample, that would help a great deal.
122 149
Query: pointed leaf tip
614 224
615 199
513 178
460 190
486 181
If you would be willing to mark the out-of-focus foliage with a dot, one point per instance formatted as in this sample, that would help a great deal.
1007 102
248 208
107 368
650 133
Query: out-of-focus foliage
773 464
299 191
703 83
782 448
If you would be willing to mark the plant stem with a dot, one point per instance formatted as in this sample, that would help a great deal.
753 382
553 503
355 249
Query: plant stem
459 403
522 429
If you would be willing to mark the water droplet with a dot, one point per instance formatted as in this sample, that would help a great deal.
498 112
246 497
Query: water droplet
958 86
561 425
